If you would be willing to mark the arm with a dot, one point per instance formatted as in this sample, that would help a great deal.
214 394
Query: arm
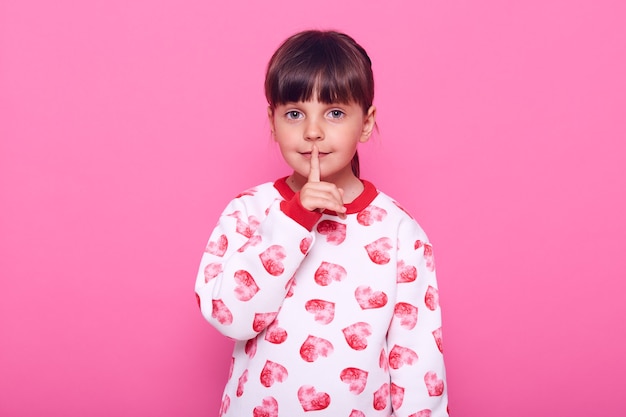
416 361
242 282
245 271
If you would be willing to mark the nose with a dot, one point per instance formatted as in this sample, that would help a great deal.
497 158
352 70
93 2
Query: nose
313 131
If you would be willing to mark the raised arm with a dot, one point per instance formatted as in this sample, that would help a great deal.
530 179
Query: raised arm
245 271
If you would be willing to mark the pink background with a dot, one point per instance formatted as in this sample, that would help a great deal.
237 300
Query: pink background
127 125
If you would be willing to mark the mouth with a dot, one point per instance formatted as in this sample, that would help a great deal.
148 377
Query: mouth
320 154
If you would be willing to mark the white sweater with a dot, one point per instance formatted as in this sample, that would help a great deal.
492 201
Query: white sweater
332 317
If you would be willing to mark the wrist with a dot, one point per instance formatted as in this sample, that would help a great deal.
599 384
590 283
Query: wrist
295 210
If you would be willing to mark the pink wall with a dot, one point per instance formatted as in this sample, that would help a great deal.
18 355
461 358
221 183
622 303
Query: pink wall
126 126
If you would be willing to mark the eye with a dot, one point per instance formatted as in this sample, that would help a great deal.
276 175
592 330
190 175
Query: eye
293 115
336 114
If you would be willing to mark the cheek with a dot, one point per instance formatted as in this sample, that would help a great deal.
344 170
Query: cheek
284 133
356 130
283 149
355 135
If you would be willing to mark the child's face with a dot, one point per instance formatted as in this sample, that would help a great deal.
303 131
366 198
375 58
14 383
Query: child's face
335 128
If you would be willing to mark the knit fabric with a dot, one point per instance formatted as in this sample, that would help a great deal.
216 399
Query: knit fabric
332 317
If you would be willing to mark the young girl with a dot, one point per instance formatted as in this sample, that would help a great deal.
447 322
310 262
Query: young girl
326 284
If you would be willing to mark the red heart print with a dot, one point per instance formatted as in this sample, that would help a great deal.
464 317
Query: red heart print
271 258
253 241
212 270
335 232
268 408
438 339
311 400
275 334
371 214
225 405
273 372
356 335
221 313
218 248
400 356
378 250
407 314
244 228
431 299
323 311
368 298
242 381
406 273
397 396
305 244
355 378
313 347
382 361
357 413
434 385
423 413
329 272
290 286
250 192
246 286
381 397
262 320
250 347
232 367
429 257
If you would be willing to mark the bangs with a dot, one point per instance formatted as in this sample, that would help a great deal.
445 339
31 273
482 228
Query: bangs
302 83
319 69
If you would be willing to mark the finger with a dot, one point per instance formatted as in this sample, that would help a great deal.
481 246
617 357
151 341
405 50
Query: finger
323 190
328 197
322 196
314 172
322 203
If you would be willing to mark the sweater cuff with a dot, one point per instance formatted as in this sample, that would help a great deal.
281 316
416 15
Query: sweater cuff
294 209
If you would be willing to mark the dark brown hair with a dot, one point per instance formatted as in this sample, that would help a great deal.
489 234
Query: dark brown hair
328 63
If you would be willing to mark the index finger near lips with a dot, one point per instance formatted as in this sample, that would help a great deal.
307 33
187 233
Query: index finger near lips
314 171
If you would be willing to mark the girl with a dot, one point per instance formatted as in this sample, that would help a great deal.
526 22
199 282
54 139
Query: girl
326 284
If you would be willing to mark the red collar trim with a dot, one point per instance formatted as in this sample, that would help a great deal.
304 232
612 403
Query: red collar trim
364 199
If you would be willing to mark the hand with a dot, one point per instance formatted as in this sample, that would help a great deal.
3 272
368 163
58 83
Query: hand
318 195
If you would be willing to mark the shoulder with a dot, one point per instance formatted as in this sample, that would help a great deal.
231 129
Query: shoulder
392 206
403 219
254 199
257 191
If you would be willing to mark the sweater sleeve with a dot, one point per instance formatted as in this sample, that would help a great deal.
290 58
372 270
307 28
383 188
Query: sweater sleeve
418 381
245 272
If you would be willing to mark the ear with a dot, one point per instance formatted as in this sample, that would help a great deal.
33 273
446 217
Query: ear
369 123
270 117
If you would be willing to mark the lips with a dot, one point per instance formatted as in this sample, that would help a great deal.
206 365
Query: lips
308 154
